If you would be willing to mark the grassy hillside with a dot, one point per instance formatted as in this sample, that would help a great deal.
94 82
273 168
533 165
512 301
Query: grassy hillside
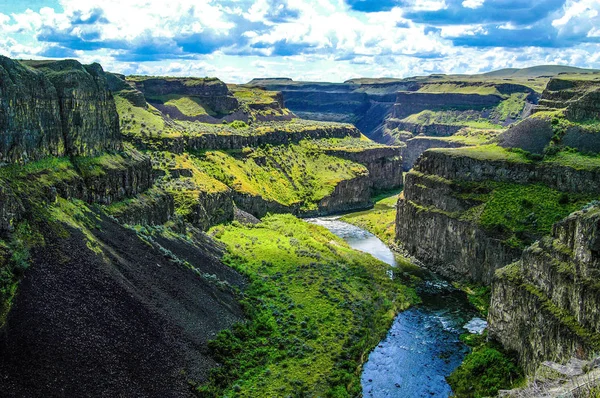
315 307
292 174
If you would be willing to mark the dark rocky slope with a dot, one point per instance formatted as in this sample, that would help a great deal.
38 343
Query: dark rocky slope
129 322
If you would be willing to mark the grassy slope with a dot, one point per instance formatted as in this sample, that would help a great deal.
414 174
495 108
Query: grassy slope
316 309
286 174
457 88
453 118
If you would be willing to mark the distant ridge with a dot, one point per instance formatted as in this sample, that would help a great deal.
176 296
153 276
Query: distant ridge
537 71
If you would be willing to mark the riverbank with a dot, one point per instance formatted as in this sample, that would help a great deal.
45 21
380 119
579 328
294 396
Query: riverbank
473 366
315 308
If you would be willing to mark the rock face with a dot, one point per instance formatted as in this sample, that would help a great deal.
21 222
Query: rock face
30 117
348 195
417 145
89 118
210 92
427 228
562 178
429 220
62 108
545 306
408 103
271 136
383 164
126 175
580 98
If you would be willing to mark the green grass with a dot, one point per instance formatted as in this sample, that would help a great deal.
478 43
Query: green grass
189 106
188 188
459 88
510 107
349 144
520 213
315 307
293 174
490 152
143 122
575 160
471 136
380 221
484 371
252 95
453 118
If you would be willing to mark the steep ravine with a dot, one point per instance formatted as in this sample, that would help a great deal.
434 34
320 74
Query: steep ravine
422 346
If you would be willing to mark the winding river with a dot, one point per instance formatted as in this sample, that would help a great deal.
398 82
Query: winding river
422 347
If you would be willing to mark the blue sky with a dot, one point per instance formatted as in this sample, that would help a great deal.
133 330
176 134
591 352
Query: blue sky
326 40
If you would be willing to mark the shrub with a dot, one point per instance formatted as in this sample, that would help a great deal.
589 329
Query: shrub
484 371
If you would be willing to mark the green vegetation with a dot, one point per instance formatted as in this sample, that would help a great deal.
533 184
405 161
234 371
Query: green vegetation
292 174
187 105
453 118
347 144
315 307
472 136
574 159
14 260
144 122
459 88
510 108
491 152
521 213
485 370
187 81
380 221
252 95
186 182
479 296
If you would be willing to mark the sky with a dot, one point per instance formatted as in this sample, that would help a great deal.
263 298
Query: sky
317 40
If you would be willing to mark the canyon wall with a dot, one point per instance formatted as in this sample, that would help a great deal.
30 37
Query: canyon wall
545 306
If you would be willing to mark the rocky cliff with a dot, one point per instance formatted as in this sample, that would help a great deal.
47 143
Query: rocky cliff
30 114
545 306
55 108
430 227
382 163
210 92
456 215
89 119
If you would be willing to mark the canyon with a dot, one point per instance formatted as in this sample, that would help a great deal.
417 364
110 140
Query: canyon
130 207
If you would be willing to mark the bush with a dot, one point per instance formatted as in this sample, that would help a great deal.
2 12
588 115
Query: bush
484 371
238 124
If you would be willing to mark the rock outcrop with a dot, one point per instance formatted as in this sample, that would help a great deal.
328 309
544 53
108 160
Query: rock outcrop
30 115
383 164
453 166
417 145
429 228
211 92
545 306
432 221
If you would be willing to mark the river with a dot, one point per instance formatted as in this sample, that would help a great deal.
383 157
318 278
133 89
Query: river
422 347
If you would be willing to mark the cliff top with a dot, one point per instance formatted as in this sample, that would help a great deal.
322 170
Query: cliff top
187 81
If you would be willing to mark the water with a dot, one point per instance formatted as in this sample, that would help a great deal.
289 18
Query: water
422 347
357 238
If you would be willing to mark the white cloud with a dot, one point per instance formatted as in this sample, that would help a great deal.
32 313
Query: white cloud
472 3
303 39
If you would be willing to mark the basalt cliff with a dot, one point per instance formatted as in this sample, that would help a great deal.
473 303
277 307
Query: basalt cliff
508 214
107 186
